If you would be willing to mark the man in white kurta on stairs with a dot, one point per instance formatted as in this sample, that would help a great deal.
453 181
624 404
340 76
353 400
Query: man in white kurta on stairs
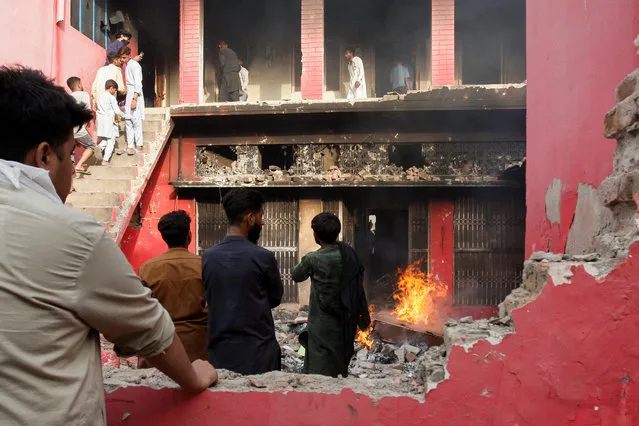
134 102
357 87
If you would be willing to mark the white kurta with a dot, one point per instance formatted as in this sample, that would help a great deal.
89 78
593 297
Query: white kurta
109 72
134 84
356 72
105 116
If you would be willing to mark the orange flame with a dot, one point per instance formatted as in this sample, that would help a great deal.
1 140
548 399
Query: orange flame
364 337
416 294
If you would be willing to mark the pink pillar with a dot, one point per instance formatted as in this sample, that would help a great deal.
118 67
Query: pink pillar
443 42
191 70
312 49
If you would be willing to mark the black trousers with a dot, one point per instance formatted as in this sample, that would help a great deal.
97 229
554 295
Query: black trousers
226 92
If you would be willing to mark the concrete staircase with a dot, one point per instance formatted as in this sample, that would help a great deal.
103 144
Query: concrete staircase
111 193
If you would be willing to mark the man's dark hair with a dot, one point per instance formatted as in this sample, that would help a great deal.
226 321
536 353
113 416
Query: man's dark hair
175 228
110 83
123 33
223 43
73 82
112 57
124 50
34 110
327 227
238 202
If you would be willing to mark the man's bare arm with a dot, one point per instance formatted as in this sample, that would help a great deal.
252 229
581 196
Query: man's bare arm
174 362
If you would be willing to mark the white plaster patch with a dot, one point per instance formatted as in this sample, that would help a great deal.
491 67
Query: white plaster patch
553 201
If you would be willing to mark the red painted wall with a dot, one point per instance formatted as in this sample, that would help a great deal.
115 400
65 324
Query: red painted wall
190 72
159 198
573 359
312 49
577 53
571 362
443 42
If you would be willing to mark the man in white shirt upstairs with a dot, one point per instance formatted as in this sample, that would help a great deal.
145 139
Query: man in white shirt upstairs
113 71
63 280
244 82
357 88
134 102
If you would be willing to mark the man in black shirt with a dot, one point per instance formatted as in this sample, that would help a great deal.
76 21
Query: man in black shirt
230 70
242 284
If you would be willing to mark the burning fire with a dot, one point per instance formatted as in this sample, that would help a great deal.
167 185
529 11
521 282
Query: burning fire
364 337
416 294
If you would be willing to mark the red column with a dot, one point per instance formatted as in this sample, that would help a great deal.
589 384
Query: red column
312 49
441 241
191 69
443 42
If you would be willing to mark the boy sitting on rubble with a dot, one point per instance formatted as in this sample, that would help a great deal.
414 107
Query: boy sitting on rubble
82 137
108 129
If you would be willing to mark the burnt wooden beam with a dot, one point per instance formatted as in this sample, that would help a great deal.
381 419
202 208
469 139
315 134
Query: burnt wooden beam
358 138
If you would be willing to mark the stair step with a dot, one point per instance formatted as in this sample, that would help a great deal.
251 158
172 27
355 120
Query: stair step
114 172
127 160
94 199
102 185
101 214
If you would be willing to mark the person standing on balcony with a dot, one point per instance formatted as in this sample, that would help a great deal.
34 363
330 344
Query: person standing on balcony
63 279
244 82
400 78
230 71
337 303
175 279
357 88
242 284
134 106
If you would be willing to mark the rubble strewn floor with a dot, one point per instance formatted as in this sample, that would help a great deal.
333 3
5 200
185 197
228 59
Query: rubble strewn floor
387 369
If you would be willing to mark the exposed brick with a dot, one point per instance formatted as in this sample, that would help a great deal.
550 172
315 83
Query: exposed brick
190 51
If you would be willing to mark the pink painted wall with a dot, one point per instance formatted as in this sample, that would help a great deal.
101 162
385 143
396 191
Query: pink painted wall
27 28
34 39
577 53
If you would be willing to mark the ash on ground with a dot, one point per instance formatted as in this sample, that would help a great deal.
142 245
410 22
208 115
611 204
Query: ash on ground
416 368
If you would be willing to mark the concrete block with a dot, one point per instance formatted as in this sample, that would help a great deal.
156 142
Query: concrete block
608 191
535 276
628 86
626 155
624 114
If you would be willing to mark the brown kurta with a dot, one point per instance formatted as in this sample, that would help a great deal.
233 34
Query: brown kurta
175 279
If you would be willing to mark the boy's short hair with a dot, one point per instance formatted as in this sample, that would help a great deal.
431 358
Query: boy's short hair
109 84
327 227
175 228
72 82
125 50
112 57
239 202
34 110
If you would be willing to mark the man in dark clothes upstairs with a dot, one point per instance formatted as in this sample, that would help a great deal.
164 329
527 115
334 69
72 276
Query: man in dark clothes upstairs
337 303
230 70
242 284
